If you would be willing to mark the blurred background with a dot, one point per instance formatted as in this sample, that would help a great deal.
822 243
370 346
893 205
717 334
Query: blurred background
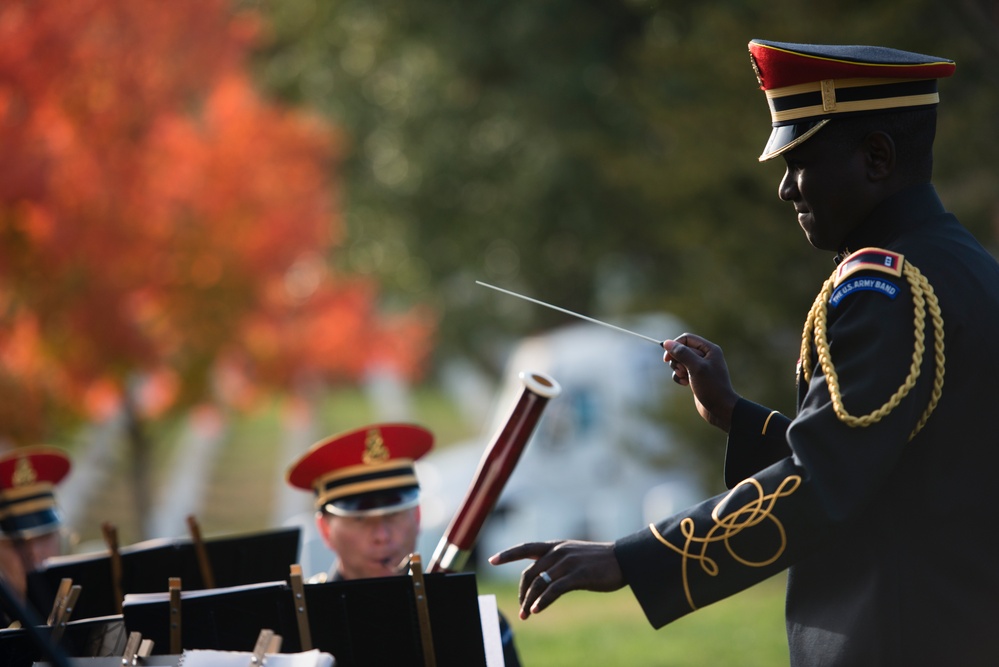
230 228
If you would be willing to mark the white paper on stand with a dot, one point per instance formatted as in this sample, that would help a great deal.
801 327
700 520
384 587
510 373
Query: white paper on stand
313 658
208 658
489 613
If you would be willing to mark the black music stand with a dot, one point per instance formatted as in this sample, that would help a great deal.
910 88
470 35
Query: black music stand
146 567
362 623
33 642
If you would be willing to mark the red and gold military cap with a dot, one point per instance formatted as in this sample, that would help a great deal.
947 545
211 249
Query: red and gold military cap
28 477
809 84
366 471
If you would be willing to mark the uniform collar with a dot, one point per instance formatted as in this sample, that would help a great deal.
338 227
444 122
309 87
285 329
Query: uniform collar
901 213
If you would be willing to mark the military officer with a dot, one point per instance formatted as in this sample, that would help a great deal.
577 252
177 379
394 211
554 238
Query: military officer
31 523
367 499
876 494
367 496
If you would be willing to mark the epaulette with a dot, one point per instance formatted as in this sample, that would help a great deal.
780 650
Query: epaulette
869 259
925 307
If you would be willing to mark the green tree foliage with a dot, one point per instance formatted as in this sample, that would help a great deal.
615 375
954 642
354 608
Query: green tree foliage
601 154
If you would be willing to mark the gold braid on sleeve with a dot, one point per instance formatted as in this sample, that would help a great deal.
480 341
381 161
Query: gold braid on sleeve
923 299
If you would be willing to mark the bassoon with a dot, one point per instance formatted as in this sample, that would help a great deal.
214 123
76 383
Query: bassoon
495 467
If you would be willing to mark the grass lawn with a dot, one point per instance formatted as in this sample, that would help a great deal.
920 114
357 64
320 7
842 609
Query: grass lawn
746 630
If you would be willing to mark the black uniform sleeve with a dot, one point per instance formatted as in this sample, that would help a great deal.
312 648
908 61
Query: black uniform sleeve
780 513
757 439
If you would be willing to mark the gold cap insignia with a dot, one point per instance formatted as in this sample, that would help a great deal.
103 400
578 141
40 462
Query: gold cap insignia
756 69
375 450
24 473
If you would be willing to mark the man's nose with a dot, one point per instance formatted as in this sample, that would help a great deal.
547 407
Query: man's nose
787 189
380 529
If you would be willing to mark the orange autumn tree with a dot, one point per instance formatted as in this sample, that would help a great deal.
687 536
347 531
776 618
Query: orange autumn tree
319 329
154 214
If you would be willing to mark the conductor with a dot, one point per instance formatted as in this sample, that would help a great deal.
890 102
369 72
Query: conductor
875 495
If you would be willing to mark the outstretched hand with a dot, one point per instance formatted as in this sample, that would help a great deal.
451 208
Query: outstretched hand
559 567
699 364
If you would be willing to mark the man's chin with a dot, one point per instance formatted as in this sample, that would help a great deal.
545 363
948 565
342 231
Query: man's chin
385 568
819 243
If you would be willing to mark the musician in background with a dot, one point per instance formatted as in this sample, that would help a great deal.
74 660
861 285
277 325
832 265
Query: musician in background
12 574
368 502
30 519
31 524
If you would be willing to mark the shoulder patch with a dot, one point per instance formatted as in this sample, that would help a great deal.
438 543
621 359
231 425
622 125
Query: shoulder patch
869 259
863 284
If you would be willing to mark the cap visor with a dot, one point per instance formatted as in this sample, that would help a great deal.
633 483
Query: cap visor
786 137
32 524
376 503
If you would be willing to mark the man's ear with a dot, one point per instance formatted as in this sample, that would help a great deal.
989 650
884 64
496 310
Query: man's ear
879 155
323 526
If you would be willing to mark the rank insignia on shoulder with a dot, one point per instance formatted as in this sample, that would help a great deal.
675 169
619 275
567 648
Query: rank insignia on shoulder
869 259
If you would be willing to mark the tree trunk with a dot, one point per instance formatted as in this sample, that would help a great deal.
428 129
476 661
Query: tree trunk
140 448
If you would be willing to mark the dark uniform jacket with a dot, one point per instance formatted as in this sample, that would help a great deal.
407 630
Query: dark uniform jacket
890 542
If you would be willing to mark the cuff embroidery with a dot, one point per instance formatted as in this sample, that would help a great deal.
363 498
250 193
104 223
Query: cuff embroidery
725 527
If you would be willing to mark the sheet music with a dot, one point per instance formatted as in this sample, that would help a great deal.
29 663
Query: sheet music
99 554
156 543
151 661
195 658
489 613
313 658
145 598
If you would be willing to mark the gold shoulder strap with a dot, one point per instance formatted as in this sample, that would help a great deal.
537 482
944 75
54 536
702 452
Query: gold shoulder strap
923 299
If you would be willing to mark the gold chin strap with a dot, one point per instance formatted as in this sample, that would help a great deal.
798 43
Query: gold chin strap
923 298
